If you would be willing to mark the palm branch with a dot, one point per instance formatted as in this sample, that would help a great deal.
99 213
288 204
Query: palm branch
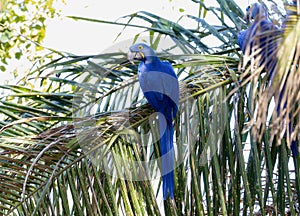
79 143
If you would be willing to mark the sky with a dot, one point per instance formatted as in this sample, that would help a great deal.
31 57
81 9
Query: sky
80 37
91 38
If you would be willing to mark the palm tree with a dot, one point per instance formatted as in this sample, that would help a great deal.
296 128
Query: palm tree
84 142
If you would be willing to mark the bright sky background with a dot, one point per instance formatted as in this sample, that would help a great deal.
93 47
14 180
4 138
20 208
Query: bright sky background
80 37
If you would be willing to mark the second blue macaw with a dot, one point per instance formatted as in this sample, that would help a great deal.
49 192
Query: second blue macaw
260 38
159 84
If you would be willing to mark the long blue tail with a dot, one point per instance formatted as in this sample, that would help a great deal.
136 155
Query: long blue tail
167 154
294 146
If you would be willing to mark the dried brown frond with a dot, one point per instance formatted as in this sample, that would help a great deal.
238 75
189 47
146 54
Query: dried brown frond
279 57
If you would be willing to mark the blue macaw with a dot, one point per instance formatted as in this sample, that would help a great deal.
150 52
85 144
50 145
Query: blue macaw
159 84
255 38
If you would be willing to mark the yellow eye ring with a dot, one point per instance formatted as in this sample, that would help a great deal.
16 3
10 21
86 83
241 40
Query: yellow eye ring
140 47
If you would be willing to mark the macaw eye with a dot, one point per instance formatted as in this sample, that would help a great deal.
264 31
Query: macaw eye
140 47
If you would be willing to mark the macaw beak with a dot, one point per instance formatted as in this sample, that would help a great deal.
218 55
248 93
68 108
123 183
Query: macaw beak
135 56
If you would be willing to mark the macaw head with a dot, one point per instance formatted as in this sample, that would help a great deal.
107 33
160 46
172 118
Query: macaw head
141 52
255 10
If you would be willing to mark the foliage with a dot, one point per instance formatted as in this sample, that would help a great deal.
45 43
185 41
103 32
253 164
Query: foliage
283 87
22 28
74 148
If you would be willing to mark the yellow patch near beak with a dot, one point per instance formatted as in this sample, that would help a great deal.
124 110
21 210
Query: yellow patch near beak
142 55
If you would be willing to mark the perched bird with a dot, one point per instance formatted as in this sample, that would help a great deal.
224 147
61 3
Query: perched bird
260 39
159 84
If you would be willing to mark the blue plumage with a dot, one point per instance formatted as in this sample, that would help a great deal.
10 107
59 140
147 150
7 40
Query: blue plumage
260 38
159 84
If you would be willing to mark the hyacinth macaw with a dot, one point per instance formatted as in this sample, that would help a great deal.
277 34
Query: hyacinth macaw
256 37
159 84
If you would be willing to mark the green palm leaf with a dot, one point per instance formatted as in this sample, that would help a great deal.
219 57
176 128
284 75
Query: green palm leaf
82 141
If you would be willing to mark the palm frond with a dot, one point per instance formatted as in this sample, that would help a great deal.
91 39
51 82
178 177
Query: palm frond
84 142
